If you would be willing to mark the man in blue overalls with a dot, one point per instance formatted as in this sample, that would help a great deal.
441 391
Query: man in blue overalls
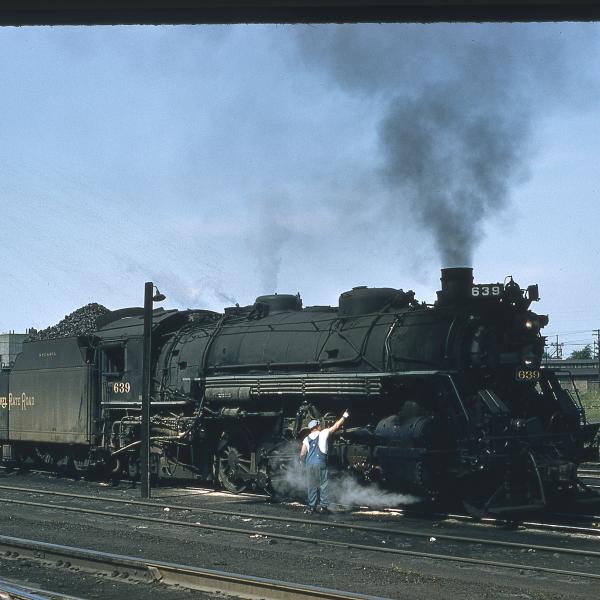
314 451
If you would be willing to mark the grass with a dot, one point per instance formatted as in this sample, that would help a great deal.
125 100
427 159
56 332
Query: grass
591 403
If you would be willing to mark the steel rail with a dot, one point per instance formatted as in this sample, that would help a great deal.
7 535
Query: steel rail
533 525
342 544
590 482
330 524
594 518
145 570
13 591
543 526
537 526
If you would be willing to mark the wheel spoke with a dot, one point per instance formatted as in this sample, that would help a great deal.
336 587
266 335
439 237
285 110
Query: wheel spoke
233 464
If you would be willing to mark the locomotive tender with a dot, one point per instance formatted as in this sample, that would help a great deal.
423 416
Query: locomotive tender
445 399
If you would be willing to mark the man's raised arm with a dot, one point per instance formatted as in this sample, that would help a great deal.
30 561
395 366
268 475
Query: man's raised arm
339 422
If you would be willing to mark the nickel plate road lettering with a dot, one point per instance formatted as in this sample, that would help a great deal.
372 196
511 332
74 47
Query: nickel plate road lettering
17 402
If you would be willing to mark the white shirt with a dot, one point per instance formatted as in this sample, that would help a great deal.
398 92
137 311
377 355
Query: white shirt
323 439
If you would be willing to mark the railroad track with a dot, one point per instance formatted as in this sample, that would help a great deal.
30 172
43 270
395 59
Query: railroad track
589 471
541 526
13 591
150 571
564 522
560 526
321 540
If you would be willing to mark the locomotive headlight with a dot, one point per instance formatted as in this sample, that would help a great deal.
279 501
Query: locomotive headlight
529 322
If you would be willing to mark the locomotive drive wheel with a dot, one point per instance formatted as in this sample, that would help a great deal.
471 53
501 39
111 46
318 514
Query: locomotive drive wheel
234 461
475 494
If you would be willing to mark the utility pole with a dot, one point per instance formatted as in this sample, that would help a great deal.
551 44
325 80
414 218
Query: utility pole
145 432
557 349
597 343
149 299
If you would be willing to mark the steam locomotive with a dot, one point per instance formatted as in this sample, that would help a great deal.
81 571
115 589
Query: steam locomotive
445 399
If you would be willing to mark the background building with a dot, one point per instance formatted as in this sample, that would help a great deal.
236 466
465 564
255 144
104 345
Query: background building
10 345
584 372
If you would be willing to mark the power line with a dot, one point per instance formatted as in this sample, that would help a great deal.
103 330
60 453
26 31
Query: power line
557 349
576 332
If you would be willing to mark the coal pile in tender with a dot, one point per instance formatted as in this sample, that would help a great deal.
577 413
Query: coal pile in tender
80 322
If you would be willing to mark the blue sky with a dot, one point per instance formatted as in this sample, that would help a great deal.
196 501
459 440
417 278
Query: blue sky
226 162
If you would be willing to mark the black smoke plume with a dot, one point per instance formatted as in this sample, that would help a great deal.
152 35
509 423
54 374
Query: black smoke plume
457 105
453 166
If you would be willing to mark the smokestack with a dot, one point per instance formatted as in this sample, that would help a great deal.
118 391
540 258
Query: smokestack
456 285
